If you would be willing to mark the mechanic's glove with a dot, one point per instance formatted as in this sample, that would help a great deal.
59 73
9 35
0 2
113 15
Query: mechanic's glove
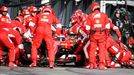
27 35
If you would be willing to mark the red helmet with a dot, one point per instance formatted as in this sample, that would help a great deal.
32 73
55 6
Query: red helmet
78 12
4 8
94 6
48 6
25 12
47 9
32 9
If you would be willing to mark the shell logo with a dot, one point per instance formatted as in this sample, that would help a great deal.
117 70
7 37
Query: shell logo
45 17
30 19
97 21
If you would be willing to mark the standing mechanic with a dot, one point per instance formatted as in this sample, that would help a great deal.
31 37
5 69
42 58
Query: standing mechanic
44 32
96 25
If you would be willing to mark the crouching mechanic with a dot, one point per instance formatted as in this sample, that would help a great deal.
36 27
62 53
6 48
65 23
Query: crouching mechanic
111 43
5 40
44 32
121 54
123 57
14 35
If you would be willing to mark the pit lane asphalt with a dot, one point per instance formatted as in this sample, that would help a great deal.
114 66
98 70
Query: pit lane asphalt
63 71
